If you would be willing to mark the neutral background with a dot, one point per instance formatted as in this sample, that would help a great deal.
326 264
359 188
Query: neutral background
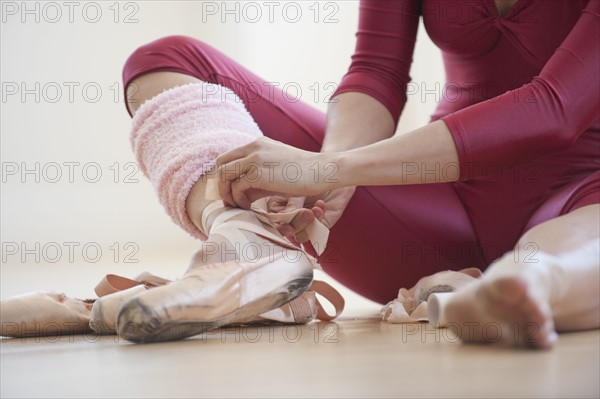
73 204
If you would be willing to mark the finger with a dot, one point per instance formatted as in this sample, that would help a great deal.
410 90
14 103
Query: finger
225 190
236 169
240 170
319 213
235 154
301 236
238 193
285 229
294 203
276 203
321 204
302 220
244 194
254 194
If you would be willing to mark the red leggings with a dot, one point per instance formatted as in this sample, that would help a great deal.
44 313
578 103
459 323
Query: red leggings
389 237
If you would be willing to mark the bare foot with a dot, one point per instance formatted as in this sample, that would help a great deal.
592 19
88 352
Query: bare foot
508 309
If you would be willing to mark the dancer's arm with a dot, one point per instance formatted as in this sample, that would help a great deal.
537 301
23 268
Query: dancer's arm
562 103
367 105
349 116
546 115
410 158
355 120
541 117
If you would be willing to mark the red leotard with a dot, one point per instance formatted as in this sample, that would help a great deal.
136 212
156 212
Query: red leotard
522 102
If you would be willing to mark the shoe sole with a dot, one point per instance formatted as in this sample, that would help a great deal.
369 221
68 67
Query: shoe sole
157 330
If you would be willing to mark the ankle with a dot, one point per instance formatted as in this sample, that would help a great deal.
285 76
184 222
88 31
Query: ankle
215 249
196 203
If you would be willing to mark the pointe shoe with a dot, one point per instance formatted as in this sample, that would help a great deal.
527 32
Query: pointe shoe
213 295
440 290
44 314
115 290
303 309
50 313
437 308
112 292
39 314
415 304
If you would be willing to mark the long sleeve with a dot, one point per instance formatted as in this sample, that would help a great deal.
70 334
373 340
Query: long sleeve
544 116
385 41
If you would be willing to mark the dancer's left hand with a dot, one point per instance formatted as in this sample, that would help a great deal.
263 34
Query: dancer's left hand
310 212
327 207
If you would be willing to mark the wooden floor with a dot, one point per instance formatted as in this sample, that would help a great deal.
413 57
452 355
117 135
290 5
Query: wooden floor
350 358
357 356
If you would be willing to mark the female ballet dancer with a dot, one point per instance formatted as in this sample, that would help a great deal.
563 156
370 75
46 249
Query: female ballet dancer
505 178
507 174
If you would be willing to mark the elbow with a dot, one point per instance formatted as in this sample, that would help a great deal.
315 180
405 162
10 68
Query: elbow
562 124
560 136
564 136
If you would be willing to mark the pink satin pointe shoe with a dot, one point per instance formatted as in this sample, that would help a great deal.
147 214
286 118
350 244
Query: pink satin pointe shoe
426 300
44 314
437 308
303 309
51 313
210 296
113 291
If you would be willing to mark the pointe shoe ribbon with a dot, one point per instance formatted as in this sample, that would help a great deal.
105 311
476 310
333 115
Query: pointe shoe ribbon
305 308
317 232
112 283
332 295
113 291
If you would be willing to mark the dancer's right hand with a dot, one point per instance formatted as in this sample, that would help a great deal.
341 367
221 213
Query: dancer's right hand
327 207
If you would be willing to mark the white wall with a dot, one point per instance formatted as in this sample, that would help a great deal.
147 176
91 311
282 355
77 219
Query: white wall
65 48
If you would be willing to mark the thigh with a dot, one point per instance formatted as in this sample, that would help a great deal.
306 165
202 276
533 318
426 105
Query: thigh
388 237
580 192
279 117
505 203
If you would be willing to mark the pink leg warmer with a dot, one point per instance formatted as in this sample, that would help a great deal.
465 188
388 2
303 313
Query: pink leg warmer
178 134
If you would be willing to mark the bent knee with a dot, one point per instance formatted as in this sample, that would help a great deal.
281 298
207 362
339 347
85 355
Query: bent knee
176 53
164 45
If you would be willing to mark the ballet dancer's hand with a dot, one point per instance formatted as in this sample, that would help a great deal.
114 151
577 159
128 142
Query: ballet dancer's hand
326 207
278 203
333 202
267 167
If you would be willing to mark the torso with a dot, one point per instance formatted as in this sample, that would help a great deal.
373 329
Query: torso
492 46
504 6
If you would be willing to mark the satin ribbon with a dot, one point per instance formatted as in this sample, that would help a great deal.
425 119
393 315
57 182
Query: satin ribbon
317 232
112 283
